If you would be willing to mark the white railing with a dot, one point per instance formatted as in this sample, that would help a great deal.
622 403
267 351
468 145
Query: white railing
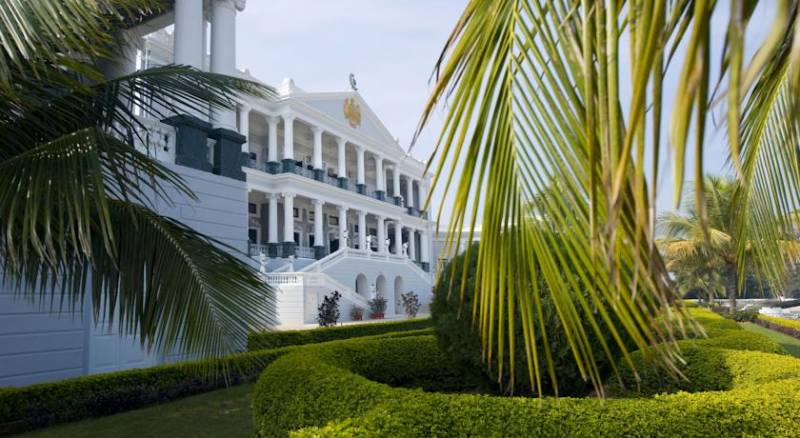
304 252
337 256
285 278
155 138
322 279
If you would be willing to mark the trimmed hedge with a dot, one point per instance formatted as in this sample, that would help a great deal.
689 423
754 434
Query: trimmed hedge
342 389
789 327
276 339
45 404
711 364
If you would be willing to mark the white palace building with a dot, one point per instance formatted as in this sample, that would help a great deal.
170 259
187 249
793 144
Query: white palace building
311 185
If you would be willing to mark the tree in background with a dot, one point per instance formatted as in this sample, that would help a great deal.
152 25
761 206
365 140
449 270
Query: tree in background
76 199
702 256
535 99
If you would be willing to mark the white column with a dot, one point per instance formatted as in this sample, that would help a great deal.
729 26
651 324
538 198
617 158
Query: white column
288 137
319 240
342 226
317 154
272 139
223 52
412 244
398 238
244 126
409 192
379 176
273 217
396 180
288 217
341 148
362 230
381 235
187 40
425 247
360 164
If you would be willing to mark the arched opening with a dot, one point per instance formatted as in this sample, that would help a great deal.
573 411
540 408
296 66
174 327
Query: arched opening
361 285
380 286
398 291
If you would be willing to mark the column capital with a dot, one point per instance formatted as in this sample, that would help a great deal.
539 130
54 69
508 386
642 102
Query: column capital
342 208
288 195
271 195
319 202
380 218
341 141
272 120
317 130
288 117
360 149
362 213
229 4
246 108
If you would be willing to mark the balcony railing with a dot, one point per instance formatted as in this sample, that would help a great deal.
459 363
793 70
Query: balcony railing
303 170
256 249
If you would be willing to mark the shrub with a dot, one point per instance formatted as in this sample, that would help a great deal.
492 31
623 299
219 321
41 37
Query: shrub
411 303
328 310
341 389
789 327
748 315
275 339
44 404
377 306
710 363
356 313
459 338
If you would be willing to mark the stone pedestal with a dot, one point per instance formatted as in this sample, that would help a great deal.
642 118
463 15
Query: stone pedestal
228 155
191 141
380 195
319 252
289 165
344 183
361 188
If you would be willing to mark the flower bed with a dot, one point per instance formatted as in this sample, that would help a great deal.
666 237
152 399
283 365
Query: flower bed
364 387
45 404
257 341
789 327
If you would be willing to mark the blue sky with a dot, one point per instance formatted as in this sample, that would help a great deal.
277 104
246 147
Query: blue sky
391 46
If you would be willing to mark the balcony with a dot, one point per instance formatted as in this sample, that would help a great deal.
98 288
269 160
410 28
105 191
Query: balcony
278 251
307 171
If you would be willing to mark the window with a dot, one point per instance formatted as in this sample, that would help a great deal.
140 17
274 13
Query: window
334 220
311 216
296 213
253 156
252 208
252 235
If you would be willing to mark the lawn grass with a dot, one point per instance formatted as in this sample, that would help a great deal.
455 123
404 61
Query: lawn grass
221 413
791 344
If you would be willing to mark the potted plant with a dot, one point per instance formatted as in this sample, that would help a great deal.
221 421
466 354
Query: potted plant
377 307
357 313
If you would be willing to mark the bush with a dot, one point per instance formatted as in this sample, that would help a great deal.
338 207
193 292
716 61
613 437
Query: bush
341 389
748 315
328 310
45 404
710 363
275 339
789 327
411 303
459 338
377 305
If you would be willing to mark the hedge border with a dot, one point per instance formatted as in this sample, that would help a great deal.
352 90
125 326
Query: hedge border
45 404
332 390
786 326
277 339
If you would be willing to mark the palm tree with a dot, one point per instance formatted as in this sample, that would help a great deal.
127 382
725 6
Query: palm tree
570 93
76 199
694 250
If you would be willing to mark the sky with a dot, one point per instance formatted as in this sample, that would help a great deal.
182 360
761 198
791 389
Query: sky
391 46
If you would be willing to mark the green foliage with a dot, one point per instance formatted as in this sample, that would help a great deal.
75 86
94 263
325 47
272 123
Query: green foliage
377 305
328 310
103 394
411 304
790 323
730 357
789 327
459 337
341 389
275 339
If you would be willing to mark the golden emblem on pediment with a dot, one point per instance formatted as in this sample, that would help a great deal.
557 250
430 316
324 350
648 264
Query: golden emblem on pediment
352 112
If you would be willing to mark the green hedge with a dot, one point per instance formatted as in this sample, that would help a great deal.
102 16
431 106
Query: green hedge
789 327
276 339
710 363
45 404
342 389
